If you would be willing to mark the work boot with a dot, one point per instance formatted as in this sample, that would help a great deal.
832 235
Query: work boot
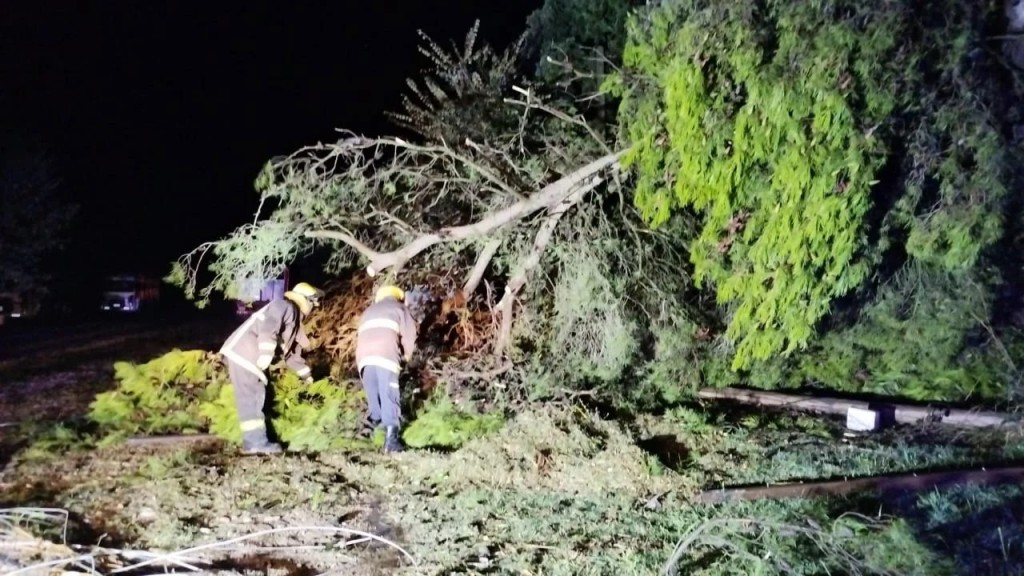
392 440
257 443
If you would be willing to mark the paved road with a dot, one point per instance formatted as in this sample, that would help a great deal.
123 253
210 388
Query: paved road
40 344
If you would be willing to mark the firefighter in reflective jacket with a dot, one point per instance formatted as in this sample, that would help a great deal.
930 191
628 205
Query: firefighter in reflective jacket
387 335
251 349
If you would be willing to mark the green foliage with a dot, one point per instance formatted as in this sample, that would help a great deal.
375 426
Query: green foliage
612 288
189 391
251 251
780 126
578 31
771 544
910 343
776 161
52 443
592 327
459 95
307 417
440 423
580 487
161 396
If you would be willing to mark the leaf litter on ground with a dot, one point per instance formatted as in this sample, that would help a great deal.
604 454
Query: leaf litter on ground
554 491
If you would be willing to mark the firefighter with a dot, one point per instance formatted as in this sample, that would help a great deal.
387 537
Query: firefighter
251 349
387 335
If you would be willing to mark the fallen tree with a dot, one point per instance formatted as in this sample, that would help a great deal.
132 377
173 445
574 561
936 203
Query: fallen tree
775 210
508 204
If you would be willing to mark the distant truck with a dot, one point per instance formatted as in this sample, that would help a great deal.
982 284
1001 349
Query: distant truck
255 293
12 306
130 293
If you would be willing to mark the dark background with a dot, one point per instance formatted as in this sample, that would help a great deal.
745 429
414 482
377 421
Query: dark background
160 114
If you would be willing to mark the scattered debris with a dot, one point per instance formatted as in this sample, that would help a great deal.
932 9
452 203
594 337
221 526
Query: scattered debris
27 553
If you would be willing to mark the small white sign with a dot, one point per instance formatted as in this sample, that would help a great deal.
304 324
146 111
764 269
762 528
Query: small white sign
861 420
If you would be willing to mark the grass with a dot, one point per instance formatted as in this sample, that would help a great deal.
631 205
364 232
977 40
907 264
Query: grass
565 491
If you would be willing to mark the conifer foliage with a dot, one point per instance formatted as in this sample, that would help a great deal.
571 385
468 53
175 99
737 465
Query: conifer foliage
162 396
846 163
820 195
188 392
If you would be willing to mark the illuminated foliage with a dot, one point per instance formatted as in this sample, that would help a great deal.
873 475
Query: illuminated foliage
787 127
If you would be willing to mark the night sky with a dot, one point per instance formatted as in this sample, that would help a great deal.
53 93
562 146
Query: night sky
160 114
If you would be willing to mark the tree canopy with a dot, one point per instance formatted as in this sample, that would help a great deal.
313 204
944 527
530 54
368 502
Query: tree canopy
790 193
834 155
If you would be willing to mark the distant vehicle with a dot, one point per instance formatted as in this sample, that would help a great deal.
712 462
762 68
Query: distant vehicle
130 293
253 293
11 307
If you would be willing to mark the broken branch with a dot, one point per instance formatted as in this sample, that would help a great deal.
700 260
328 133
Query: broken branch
550 195
540 242
482 261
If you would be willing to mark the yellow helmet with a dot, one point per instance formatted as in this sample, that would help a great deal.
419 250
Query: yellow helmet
389 291
306 296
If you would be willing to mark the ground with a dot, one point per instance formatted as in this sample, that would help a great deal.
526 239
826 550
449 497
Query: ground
560 489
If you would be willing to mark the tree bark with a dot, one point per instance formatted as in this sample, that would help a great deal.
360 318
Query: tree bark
907 481
901 413
540 242
550 195
483 260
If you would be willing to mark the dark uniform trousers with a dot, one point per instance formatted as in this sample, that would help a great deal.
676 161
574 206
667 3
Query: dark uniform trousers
250 399
382 395
275 325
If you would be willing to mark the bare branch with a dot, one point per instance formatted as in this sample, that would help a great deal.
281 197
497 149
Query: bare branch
578 120
551 195
540 242
482 261
448 152
347 238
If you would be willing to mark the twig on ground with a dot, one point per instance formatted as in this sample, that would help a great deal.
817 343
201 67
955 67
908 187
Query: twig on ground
223 543
180 558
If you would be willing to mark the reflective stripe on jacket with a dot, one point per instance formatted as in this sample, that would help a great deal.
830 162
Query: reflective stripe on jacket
276 326
387 332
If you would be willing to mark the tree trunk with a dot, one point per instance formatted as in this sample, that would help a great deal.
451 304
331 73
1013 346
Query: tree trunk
901 413
906 481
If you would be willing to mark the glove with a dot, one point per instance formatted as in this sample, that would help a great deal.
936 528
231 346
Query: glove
263 361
